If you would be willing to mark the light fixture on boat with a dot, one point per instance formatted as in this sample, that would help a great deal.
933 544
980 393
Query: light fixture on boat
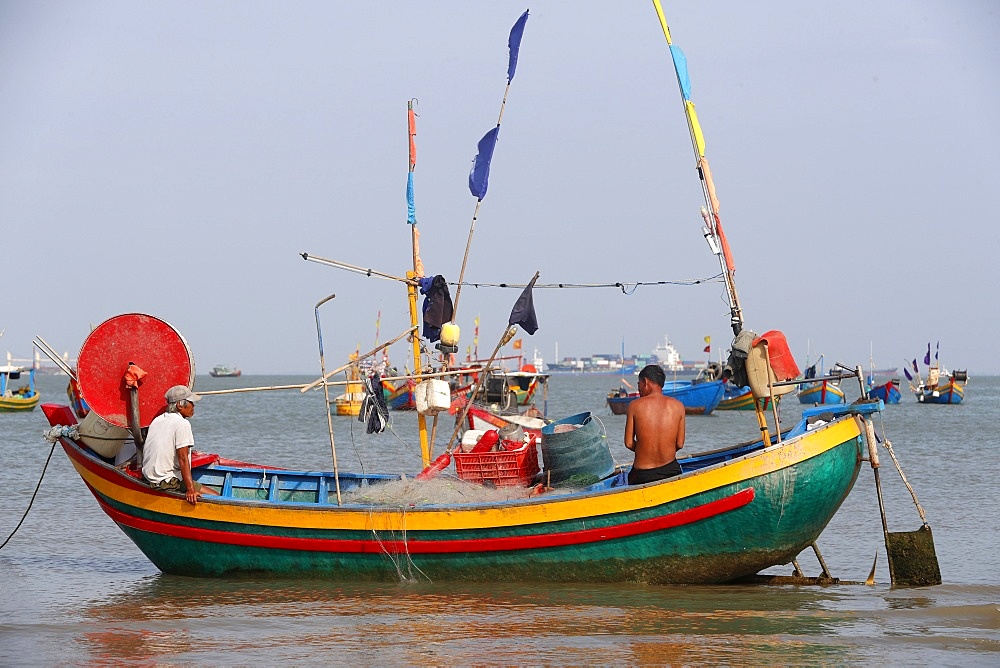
709 237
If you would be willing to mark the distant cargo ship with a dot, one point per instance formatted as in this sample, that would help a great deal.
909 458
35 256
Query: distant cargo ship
223 371
664 354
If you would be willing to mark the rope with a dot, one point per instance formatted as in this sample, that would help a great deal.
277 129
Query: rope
23 517
627 288
604 435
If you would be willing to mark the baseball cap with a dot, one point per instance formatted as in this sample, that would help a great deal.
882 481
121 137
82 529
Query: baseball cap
180 393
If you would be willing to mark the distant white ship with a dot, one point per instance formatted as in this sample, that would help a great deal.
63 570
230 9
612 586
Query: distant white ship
667 357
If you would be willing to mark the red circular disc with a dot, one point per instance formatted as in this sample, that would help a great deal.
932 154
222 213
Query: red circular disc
152 345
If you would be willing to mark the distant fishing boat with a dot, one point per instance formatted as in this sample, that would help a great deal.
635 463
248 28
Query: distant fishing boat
736 399
76 400
825 391
16 399
349 402
399 394
940 385
699 398
888 392
223 371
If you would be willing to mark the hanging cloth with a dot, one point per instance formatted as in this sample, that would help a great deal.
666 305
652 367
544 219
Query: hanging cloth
437 308
374 411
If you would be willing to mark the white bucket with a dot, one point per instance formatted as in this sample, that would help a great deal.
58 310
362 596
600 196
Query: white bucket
103 438
432 396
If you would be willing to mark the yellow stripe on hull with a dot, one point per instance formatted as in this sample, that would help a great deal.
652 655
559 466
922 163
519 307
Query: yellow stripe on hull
10 404
553 509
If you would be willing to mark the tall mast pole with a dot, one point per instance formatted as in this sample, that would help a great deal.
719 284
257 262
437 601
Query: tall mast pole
710 213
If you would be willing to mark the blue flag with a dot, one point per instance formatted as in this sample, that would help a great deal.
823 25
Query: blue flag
927 355
915 369
937 348
907 372
411 209
479 177
681 68
523 313
514 44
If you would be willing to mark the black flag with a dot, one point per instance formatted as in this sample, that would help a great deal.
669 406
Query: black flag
523 313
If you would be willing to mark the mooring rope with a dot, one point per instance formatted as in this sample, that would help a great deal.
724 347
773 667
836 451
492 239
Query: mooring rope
23 517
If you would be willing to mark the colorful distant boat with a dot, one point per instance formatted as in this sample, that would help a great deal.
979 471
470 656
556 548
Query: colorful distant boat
888 392
349 402
736 399
76 400
950 391
507 389
14 399
822 391
399 394
698 397
223 371
940 386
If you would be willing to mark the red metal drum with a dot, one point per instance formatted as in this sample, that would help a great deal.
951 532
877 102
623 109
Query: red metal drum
150 343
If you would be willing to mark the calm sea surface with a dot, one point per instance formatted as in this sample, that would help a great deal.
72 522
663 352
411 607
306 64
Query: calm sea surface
74 589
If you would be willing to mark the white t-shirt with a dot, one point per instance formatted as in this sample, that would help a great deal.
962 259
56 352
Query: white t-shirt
167 433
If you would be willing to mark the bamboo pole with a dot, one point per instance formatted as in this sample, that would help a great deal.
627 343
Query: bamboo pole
333 383
353 362
411 294
326 396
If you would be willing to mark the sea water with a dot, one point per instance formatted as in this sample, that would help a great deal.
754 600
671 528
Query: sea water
75 590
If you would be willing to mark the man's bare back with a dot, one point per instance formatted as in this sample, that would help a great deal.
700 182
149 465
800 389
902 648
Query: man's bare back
654 427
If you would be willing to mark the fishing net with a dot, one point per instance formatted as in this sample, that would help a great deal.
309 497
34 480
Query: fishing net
575 451
442 490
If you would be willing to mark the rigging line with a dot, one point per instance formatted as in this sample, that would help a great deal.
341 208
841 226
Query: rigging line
623 286
23 517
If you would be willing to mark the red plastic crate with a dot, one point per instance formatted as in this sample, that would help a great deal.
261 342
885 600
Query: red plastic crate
504 468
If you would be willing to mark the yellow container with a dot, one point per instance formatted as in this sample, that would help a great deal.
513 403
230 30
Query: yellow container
450 334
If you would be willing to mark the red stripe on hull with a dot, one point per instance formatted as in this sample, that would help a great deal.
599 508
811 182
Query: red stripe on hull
502 543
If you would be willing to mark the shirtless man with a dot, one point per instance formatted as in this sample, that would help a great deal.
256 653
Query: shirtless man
654 430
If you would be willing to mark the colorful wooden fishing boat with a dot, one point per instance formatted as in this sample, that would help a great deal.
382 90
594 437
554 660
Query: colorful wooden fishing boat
887 392
399 394
940 385
21 398
699 398
726 517
951 391
734 511
821 392
736 399
76 400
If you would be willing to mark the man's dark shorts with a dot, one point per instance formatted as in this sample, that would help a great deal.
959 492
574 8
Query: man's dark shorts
642 476
174 485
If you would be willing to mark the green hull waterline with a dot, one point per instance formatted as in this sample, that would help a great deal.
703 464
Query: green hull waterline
791 507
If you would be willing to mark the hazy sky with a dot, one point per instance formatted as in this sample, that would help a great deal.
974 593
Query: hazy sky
175 158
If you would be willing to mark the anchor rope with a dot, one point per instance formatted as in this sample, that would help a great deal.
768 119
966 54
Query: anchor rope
40 478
